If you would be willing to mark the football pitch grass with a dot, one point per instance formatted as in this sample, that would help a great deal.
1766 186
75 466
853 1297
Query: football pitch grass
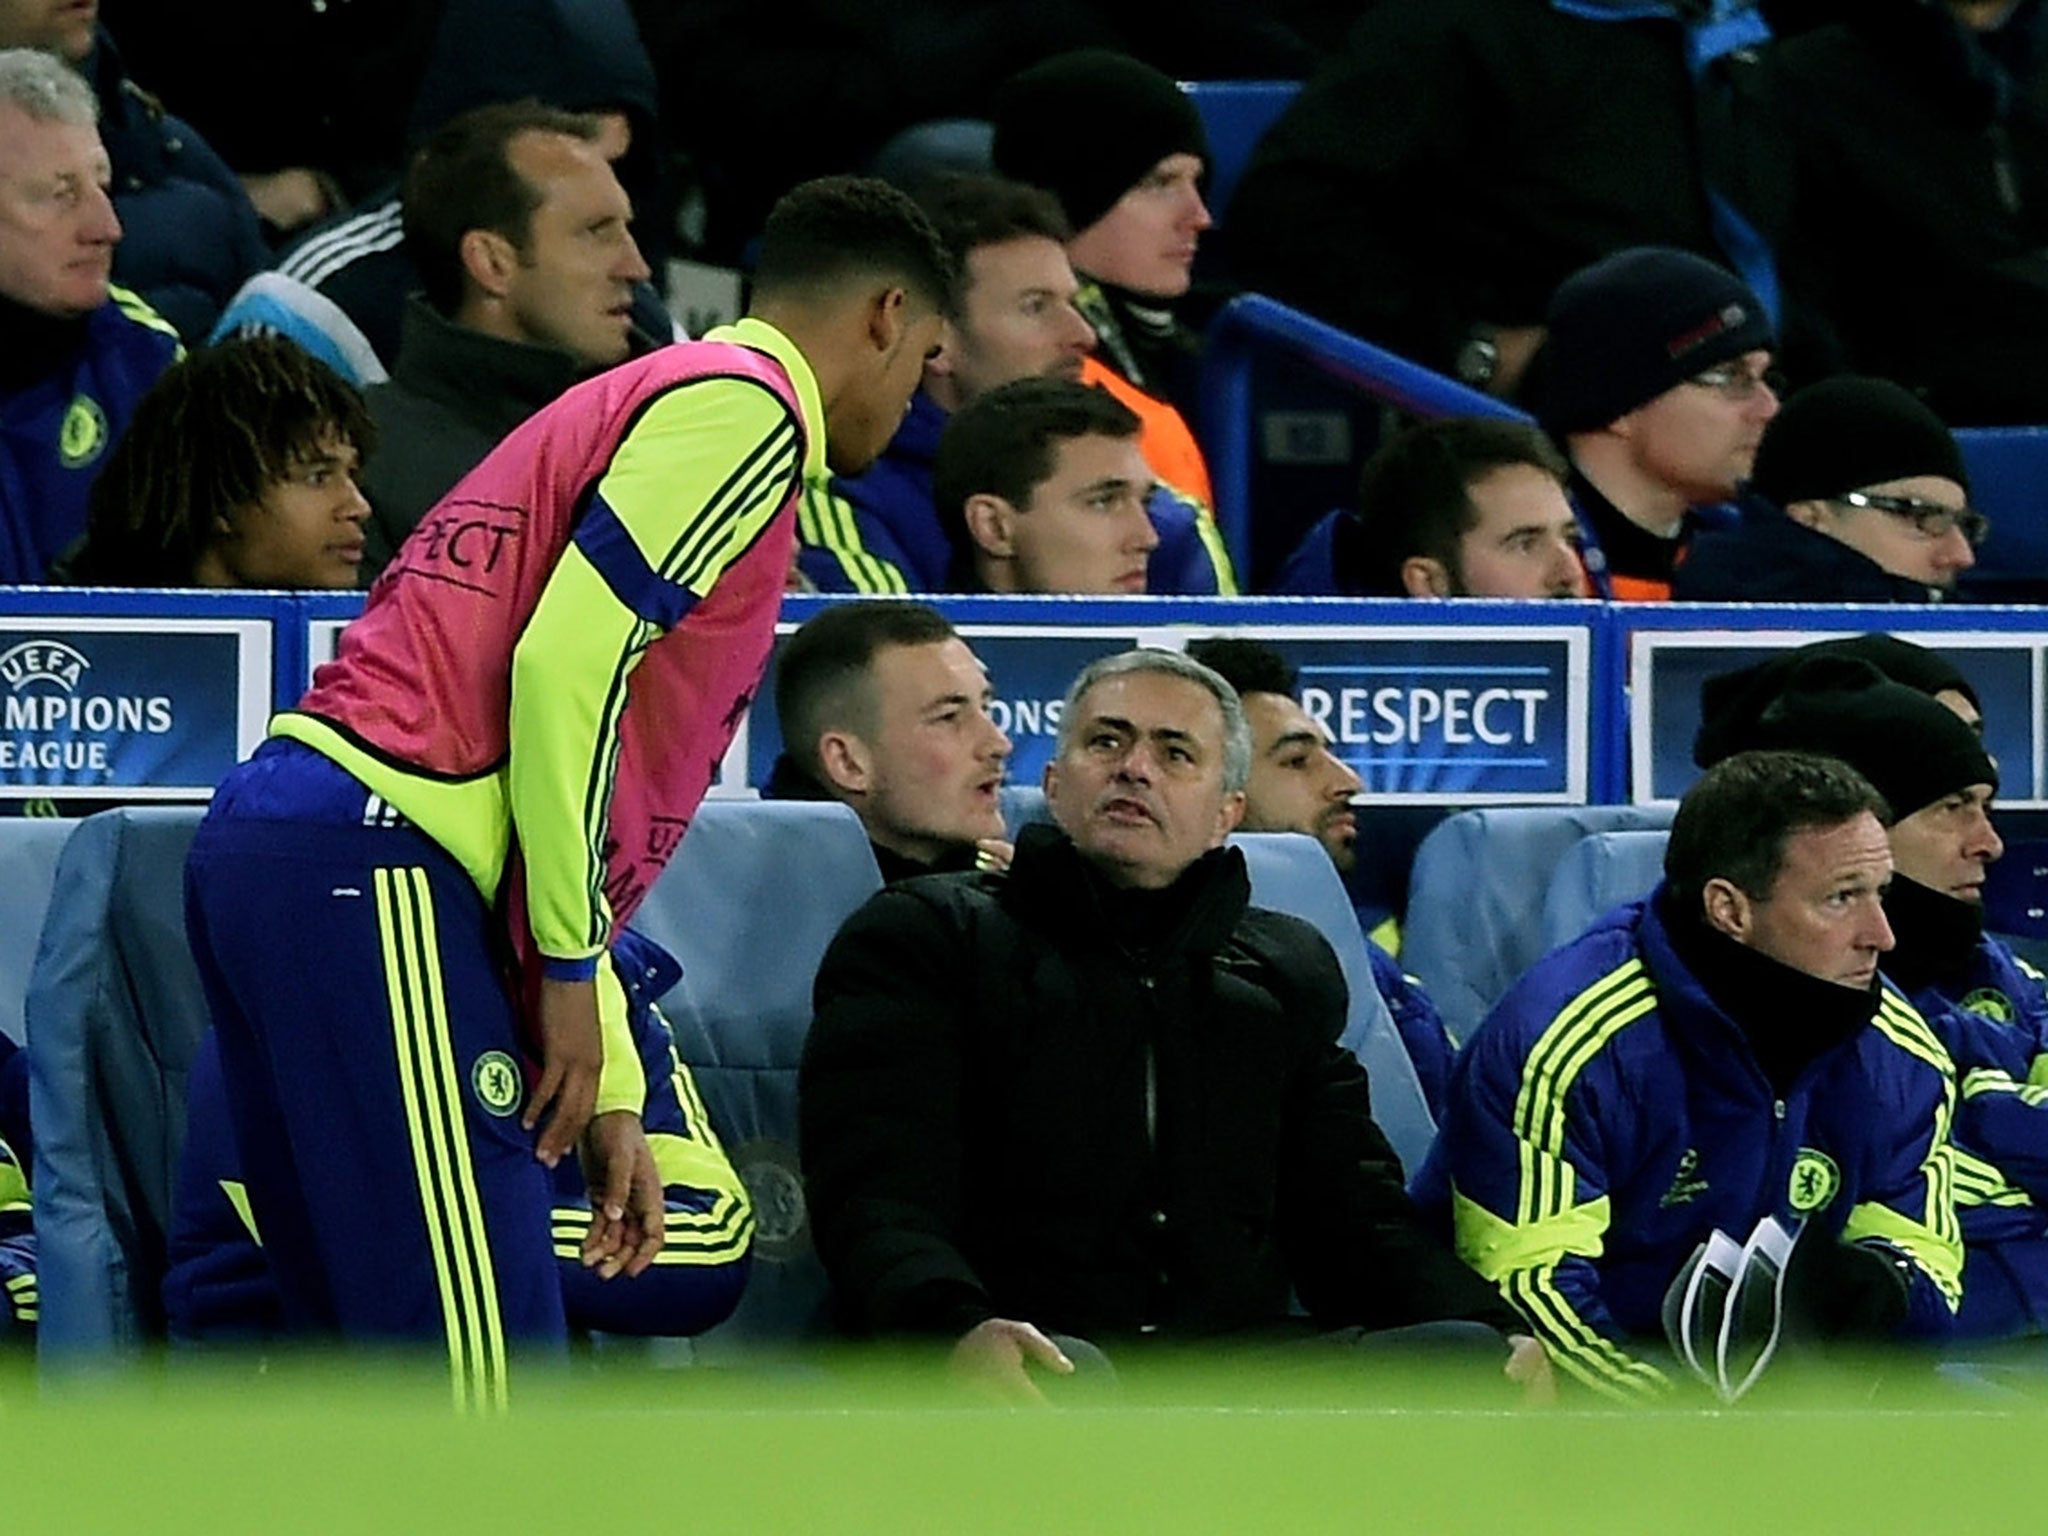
355 1445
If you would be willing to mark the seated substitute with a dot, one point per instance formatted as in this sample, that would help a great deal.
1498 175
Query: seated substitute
1464 507
1859 496
1085 1023
1858 701
218 1288
239 470
1297 784
1719 1052
886 710
1043 490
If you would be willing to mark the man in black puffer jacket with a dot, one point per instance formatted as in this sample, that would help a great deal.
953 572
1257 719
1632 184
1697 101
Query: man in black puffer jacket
1102 1095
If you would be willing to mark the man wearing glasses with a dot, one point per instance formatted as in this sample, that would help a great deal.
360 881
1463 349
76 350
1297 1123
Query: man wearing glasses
1860 496
1653 377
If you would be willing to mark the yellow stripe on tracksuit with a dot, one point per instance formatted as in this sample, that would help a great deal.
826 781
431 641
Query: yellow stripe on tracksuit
693 1160
1933 1236
1521 1257
1981 1080
431 1088
23 1298
825 521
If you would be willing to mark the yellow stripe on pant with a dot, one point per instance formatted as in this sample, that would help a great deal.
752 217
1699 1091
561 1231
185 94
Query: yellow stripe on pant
431 1089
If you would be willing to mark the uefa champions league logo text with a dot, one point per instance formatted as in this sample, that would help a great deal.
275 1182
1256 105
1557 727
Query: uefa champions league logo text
49 725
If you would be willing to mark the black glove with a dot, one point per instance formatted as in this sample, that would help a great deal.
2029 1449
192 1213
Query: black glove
1847 1290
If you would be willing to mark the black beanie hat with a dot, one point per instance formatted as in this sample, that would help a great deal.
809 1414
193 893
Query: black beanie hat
1087 127
1731 701
1635 324
1845 433
1914 750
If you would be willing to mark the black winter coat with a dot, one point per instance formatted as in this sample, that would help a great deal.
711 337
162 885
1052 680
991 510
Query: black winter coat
1005 1112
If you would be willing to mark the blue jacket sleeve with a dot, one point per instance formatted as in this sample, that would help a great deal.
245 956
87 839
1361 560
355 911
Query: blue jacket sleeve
1530 1206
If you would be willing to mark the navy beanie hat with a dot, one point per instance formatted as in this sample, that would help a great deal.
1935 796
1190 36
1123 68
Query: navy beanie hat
1632 325
1087 127
1914 749
1845 433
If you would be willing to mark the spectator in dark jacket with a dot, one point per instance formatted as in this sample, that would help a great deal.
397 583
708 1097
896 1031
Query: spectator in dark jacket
578 55
1464 507
1920 131
76 352
1859 496
1012 1093
1461 158
522 238
1655 376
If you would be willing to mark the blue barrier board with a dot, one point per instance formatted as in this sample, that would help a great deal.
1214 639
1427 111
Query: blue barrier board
150 700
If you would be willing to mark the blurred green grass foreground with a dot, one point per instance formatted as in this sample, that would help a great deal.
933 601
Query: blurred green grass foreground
366 1444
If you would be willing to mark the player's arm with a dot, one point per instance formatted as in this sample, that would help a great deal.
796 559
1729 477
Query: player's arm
1911 1206
694 484
1530 1204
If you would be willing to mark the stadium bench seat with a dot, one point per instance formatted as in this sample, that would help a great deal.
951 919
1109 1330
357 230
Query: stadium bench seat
1477 892
748 905
29 847
1291 873
115 1013
1597 874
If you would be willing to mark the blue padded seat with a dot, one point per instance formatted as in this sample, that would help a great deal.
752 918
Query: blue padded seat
1291 873
748 904
29 847
1598 874
1477 892
115 1013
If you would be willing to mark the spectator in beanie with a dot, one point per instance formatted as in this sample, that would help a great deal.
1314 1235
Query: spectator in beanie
1653 378
1868 502
1122 148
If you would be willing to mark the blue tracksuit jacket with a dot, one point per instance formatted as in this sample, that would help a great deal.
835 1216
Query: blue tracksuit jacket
1608 1115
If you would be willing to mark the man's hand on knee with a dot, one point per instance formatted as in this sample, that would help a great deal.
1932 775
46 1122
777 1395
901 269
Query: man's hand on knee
628 1215
991 1358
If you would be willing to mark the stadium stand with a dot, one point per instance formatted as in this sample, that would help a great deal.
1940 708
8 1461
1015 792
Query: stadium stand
2008 467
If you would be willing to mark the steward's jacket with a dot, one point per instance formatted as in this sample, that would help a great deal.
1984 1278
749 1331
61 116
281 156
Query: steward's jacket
547 675
880 532
1005 1112
1608 1116
1993 1019
56 432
